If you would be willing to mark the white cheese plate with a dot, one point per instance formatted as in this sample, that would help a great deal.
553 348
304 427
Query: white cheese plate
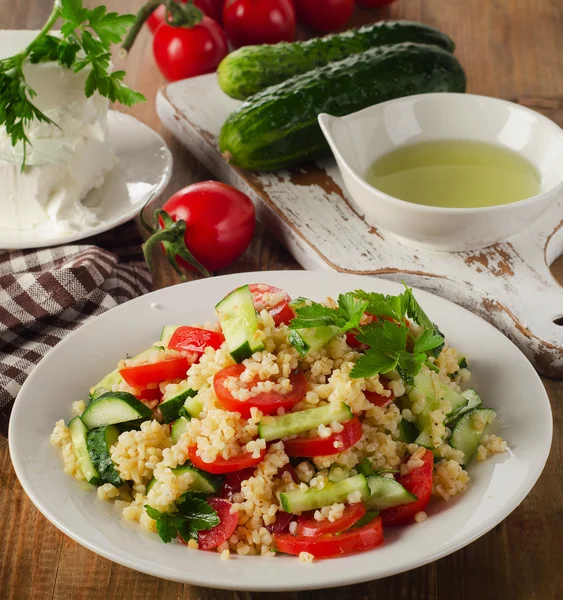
143 170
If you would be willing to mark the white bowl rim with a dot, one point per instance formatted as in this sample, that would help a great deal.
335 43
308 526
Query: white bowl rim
442 210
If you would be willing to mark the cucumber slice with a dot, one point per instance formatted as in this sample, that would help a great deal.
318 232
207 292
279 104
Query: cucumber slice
473 401
203 482
99 441
179 427
338 473
386 492
311 340
407 431
78 432
304 420
150 484
237 316
301 500
171 405
166 334
466 437
192 408
114 407
462 363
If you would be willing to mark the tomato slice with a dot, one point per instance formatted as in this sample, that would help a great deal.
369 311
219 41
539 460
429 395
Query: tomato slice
378 399
309 527
267 402
417 482
281 312
150 394
233 482
207 539
318 446
143 375
323 546
281 523
225 465
195 339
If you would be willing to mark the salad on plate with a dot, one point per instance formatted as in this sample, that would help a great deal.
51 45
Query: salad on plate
286 426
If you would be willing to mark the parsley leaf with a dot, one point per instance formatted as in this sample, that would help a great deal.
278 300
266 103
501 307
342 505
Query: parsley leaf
167 524
427 341
346 316
380 305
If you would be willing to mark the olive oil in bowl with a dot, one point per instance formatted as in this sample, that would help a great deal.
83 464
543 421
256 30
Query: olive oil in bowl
455 174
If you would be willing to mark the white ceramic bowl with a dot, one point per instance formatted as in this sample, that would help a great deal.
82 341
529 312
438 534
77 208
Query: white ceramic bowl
357 140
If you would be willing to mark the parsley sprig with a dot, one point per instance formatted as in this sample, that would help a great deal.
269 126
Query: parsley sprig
192 514
390 341
85 40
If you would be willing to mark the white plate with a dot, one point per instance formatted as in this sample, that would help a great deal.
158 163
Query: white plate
143 170
502 374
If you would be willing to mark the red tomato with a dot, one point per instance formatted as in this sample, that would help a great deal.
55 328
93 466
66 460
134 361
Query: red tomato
233 482
182 52
309 527
195 339
225 465
250 22
220 223
281 311
364 538
281 523
208 539
143 375
417 482
378 399
318 446
324 15
374 3
212 8
289 469
267 402
150 394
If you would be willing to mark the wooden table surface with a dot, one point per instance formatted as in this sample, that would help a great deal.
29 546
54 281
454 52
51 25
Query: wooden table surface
510 49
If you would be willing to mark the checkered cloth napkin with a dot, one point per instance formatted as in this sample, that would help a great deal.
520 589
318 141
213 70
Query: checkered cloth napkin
47 293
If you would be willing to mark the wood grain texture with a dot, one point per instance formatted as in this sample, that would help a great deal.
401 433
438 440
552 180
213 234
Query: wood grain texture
512 49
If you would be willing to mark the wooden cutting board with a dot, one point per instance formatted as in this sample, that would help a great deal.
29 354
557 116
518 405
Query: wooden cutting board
307 208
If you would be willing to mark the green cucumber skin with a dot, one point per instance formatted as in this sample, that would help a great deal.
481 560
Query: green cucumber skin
251 69
278 127
99 442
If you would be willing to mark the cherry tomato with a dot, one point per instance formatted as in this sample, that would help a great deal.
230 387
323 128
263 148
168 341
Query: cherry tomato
182 52
324 15
225 465
250 22
280 310
363 538
195 339
308 526
212 8
150 394
143 375
318 446
208 539
281 523
233 482
220 223
374 3
378 399
267 402
417 482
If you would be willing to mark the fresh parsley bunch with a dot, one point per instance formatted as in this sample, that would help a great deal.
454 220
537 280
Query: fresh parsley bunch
193 514
391 344
85 40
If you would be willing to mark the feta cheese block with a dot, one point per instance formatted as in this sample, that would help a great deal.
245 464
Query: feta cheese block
65 159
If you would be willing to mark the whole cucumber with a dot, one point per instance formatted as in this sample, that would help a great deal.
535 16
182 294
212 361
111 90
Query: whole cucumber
278 127
251 69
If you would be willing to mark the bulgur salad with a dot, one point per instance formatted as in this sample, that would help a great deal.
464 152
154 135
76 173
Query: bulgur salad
286 426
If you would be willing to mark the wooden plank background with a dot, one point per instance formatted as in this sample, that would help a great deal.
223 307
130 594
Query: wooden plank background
510 49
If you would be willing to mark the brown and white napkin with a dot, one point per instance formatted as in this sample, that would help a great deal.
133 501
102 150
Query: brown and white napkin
47 293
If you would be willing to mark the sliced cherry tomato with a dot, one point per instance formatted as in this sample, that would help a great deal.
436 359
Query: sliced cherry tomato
281 523
182 52
280 311
233 482
363 538
318 446
325 16
225 465
378 399
289 469
195 339
374 3
143 375
259 21
212 8
417 482
208 539
150 394
267 402
308 526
